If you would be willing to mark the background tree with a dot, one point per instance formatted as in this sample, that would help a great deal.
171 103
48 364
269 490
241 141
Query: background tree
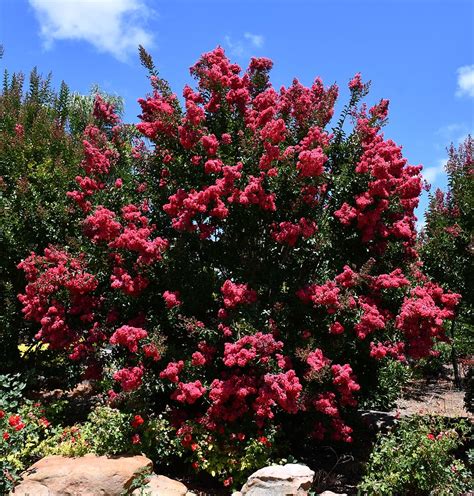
40 148
447 242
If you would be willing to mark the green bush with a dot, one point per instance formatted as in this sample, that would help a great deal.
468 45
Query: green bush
11 391
22 431
109 431
417 458
392 376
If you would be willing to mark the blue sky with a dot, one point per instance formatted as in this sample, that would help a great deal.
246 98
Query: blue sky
419 54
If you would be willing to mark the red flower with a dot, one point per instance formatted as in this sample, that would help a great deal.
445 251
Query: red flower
137 421
2 414
14 420
6 436
136 439
228 482
44 421
430 437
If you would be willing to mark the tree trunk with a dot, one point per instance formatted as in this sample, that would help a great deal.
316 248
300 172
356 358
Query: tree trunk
454 360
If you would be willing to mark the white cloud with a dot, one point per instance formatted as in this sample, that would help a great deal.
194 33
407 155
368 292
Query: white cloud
257 40
466 81
432 173
113 26
236 48
241 47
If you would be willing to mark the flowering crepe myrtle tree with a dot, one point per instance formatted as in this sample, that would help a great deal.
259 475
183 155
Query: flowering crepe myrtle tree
254 269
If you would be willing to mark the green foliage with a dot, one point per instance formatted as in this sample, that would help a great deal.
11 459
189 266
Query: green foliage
159 442
108 430
140 480
447 237
417 458
22 431
392 376
38 162
11 391
68 441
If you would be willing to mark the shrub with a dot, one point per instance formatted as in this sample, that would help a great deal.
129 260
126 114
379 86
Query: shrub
417 458
392 376
246 274
108 431
22 430
11 391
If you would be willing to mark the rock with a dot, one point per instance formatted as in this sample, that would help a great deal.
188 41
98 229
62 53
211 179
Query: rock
89 475
82 389
30 488
159 485
330 493
279 480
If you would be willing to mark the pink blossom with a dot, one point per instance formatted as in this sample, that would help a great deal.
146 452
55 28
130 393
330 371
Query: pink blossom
171 299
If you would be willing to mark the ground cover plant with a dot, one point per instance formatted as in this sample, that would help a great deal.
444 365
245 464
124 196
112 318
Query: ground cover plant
420 457
245 266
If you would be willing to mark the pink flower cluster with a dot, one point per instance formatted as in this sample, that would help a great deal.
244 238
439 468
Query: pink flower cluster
188 392
345 382
172 371
104 111
248 348
129 378
171 299
239 171
381 350
289 233
311 162
422 315
237 294
388 177
317 361
46 275
128 337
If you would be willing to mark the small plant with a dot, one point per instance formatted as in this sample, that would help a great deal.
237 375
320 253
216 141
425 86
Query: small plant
140 480
109 431
159 442
392 376
21 432
11 391
417 458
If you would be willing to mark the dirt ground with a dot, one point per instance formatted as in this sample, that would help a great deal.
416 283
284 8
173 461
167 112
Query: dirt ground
435 396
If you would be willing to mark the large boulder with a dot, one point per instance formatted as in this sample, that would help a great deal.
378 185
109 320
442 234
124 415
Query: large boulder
89 475
159 485
279 480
